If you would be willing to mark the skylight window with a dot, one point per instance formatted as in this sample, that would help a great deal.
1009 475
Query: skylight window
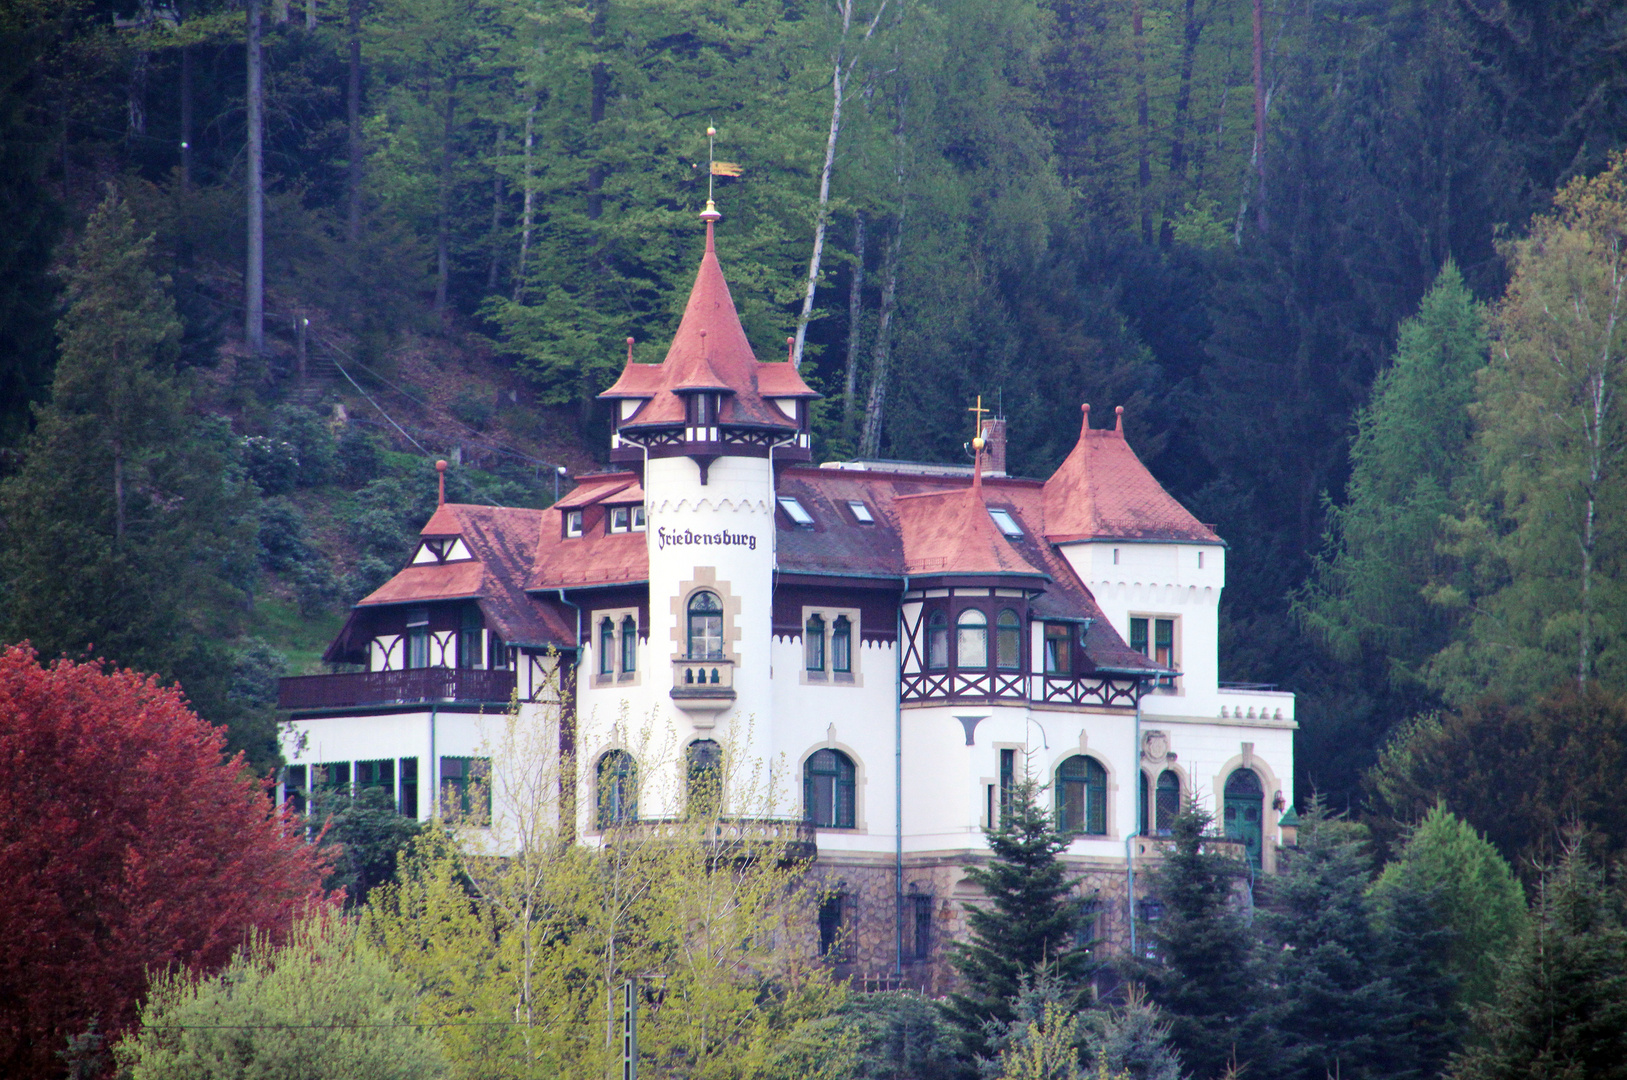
795 511
861 512
1005 522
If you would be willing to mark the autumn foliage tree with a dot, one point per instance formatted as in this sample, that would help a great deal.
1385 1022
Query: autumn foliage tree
131 846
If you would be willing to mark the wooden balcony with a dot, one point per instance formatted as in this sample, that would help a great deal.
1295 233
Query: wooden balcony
411 687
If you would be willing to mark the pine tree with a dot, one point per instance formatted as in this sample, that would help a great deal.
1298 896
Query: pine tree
1561 1005
1415 943
129 529
1031 922
1203 968
1042 1040
1339 1006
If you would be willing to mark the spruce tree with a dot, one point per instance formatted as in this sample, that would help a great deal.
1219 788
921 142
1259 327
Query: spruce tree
1203 966
1339 1006
1561 1005
1415 942
1031 922
129 529
1133 1040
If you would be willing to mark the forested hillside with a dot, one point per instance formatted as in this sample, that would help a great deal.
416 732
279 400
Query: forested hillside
1311 246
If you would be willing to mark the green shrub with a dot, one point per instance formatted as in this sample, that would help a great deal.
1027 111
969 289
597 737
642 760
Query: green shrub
273 464
284 539
360 456
308 433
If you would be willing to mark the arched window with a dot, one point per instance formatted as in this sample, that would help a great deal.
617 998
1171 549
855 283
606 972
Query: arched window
607 647
937 640
841 645
705 626
1168 803
813 643
618 789
1008 639
827 790
1245 807
972 639
703 759
1081 796
629 644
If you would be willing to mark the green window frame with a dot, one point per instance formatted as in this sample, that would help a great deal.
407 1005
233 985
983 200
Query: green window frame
841 645
1081 796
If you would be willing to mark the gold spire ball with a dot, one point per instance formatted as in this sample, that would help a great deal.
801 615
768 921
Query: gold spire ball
710 214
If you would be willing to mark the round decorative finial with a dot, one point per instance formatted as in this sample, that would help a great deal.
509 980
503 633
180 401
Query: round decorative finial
711 132
710 214
629 341
978 443
440 466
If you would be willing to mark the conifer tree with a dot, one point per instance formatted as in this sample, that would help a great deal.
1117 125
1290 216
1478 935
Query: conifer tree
1203 965
1561 1005
1473 890
129 529
1042 1040
1367 589
1134 1040
1031 922
1339 1006
1415 942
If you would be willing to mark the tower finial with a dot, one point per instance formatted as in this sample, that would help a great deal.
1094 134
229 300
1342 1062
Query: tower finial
710 214
629 350
977 444
1084 419
1118 419
440 467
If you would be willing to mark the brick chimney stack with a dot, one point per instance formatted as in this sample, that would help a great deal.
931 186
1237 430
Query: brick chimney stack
994 446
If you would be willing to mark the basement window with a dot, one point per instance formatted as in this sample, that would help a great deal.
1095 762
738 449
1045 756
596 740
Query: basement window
795 511
1006 523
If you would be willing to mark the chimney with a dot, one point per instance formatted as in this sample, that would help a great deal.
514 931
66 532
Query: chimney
994 446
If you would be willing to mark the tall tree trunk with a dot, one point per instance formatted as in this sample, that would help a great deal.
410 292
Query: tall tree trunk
353 118
118 490
310 14
1193 28
1596 427
496 214
599 93
443 207
279 11
1143 125
140 65
186 119
254 301
821 216
881 355
855 314
525 212
1258 159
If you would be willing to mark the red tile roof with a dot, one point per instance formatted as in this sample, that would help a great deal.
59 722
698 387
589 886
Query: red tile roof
595 558
596 488
950 532
1103 492
709 352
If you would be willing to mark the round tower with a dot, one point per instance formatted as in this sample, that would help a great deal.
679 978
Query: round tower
706 428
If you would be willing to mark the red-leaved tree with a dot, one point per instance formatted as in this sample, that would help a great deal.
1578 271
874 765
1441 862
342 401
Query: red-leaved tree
128 845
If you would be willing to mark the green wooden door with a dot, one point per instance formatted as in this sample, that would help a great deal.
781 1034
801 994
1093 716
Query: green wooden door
1244 809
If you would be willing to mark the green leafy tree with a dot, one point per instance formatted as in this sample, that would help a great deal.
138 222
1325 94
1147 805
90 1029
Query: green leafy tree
1471 891
322 1006
130 526
1561 1004
1548 543
369 833
1030 923
1203 967
1339 1006
898 1034
1519 775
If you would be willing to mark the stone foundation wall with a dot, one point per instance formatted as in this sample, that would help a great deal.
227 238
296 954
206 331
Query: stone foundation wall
866 948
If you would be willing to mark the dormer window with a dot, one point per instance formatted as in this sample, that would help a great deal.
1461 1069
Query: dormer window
621 518
861 512
795 511
638 519
1006 523
573 523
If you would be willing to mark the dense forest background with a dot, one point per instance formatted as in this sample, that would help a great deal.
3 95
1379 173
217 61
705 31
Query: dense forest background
1225 215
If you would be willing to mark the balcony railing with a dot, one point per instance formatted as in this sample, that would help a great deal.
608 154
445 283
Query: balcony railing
703 685
409 687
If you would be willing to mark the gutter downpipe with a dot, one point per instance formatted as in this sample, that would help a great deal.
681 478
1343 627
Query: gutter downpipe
898 791
1129 839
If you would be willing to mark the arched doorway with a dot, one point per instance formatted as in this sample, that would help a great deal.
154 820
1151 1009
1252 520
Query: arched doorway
1245 809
